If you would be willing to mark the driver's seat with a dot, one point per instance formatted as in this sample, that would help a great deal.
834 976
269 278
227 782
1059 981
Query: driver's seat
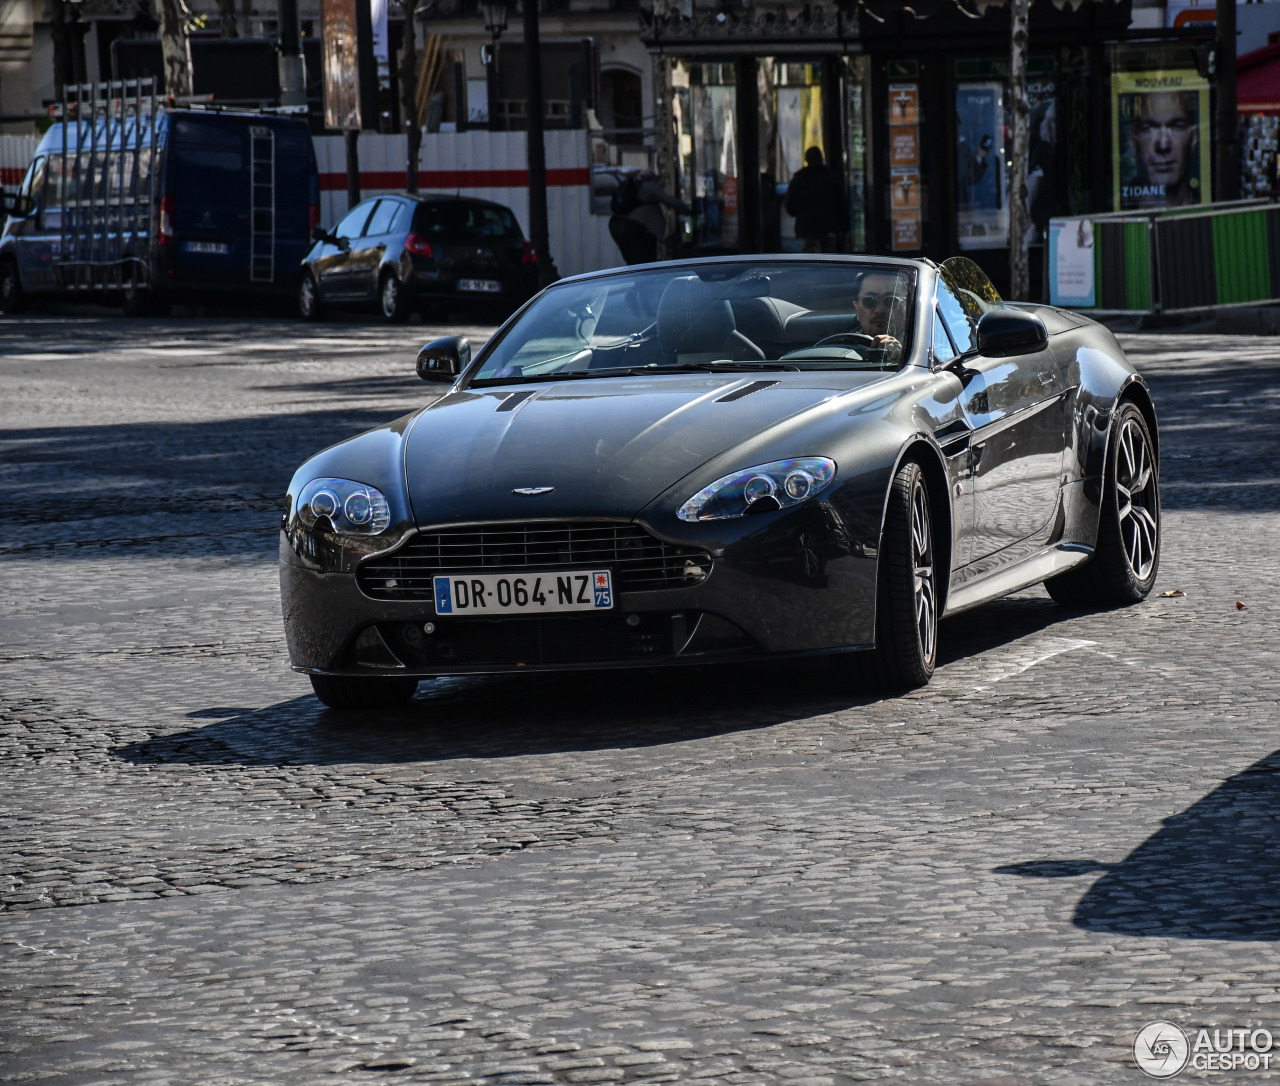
696 324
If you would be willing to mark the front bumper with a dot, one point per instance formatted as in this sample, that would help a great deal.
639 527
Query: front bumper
806 587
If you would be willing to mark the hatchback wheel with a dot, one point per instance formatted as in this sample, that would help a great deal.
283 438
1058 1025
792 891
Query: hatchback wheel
310 307
394 299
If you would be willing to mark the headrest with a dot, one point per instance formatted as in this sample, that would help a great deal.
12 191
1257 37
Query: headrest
692 319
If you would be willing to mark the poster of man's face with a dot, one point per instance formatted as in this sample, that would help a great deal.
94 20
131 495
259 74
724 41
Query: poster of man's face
1162 149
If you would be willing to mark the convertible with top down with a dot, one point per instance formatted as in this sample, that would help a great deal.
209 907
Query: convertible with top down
725 459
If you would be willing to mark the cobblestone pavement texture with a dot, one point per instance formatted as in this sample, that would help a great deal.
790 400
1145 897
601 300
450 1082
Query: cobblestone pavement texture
729 876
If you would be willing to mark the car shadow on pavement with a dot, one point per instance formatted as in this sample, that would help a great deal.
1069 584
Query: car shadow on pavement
511 715
1208 873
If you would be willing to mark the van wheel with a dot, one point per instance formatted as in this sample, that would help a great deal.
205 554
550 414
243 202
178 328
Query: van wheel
393 299
12 299
140 302
310 308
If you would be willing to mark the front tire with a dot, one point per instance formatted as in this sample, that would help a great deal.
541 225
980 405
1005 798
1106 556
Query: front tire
12 298
393 299
907 596
1124 564
310 308
360 692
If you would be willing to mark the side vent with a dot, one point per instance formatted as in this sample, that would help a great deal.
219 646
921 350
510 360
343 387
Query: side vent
745 390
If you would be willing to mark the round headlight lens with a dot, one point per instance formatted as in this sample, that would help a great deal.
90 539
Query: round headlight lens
761 486
358 508
798 485
324 503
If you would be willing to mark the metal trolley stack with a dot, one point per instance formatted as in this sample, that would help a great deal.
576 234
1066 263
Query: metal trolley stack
107 185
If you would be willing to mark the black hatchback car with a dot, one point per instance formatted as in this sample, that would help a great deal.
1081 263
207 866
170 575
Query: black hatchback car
434 252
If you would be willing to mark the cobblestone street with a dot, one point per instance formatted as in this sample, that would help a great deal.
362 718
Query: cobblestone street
735 875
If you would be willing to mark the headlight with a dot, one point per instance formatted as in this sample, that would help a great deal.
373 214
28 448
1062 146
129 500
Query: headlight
764 489
350 508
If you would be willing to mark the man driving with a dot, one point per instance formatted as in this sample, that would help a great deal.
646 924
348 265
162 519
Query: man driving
877 296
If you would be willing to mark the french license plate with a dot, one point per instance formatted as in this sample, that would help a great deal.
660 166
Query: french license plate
524 594
482 286
221 248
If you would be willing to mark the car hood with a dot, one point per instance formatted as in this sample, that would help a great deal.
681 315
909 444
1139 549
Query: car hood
607 446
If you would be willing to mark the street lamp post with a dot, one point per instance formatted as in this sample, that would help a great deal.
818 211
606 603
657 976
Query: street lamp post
538 232
495 22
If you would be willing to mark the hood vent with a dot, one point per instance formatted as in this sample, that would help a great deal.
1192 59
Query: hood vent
745 390
515 399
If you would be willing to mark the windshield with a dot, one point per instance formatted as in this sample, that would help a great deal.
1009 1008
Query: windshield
735 316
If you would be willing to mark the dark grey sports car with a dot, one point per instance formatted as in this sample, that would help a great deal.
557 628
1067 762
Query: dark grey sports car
721 460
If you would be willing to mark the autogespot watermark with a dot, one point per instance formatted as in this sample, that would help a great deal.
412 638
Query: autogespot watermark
1162 1049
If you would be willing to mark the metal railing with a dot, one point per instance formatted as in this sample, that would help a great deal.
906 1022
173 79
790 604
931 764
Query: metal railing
106 188
1174 260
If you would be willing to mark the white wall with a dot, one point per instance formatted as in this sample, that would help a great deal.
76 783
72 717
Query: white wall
16 153
488 165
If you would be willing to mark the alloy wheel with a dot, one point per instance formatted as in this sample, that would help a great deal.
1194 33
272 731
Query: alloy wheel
390 296
926 600
1137 499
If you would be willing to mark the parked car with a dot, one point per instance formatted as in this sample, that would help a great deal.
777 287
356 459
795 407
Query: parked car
398 253
160 205
725 459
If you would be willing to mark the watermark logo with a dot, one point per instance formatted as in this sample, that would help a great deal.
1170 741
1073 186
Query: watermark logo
1161 1050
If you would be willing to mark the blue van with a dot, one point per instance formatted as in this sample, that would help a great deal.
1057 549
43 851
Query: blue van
143 205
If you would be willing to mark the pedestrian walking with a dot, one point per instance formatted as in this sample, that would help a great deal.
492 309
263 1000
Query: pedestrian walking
815 200
638 222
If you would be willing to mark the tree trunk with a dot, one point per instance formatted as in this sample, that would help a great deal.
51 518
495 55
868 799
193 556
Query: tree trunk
409 95
174 46
1018 269
227 24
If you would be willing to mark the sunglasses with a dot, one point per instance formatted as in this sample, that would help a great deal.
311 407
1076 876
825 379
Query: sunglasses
879 301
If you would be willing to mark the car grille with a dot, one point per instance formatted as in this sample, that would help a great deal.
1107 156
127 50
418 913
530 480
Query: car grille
639 562
524 640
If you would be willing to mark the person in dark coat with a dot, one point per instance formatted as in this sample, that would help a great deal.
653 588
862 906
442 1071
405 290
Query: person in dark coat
815 199
637 229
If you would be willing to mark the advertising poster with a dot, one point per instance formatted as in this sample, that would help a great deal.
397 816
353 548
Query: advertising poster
904 191
904 145
1160 149
906 230
341 64
1071 277
982 183
904 103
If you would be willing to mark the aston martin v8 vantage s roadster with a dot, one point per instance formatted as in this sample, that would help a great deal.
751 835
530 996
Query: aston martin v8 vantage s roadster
725 459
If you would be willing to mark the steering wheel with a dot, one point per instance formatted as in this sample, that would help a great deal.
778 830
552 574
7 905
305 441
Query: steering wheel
852 339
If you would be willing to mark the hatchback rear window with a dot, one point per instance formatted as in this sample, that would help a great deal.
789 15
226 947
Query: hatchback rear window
474 220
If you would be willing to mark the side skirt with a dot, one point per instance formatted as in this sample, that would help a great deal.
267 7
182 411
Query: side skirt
1039 567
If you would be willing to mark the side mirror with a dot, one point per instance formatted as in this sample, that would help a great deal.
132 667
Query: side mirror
18 205
319 234
443 359
1003 333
